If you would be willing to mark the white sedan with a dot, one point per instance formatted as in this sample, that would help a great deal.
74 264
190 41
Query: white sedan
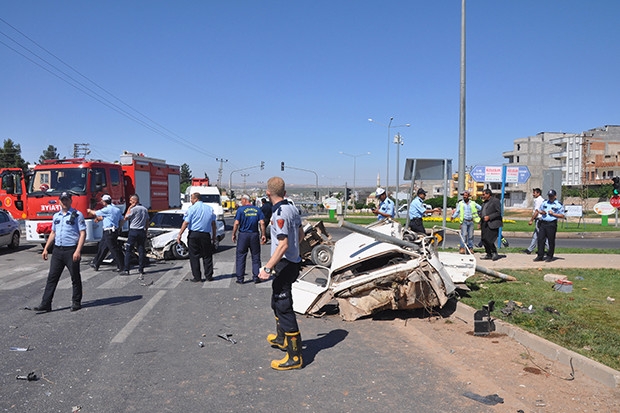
163 231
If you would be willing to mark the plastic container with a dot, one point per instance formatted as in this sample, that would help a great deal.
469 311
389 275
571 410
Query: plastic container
563 286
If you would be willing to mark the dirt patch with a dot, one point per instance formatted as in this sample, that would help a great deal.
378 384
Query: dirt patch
496 364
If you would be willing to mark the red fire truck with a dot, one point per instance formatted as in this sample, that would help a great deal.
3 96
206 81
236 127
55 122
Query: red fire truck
13 192
156 183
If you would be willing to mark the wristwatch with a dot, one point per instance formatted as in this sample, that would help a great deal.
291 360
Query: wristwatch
267 270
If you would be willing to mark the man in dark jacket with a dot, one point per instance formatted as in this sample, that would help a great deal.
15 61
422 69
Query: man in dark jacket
491 221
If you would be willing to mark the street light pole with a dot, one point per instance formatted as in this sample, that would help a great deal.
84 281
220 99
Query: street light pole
398 140
389 126
354 169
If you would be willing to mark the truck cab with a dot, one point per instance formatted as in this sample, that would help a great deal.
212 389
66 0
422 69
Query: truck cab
13 192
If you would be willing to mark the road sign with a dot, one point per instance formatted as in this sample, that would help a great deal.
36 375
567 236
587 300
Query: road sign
615 201
514 174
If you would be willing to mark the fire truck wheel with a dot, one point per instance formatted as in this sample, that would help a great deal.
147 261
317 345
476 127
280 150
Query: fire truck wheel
14 240
179 252
322 255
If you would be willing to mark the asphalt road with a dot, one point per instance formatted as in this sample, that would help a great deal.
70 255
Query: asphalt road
134 347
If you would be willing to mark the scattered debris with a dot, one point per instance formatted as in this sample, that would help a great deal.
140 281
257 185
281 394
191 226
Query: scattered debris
551 278
76 409
579 277
19 348
528 310
610 300
533 370
227 337
201 344
489 400
563 286
483 323
30 377
552 310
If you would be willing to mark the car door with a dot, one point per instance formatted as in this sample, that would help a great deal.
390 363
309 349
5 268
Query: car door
5 228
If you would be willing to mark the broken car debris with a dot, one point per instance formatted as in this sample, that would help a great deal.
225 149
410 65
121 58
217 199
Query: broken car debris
382 266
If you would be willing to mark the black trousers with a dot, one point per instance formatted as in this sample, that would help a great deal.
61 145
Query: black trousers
136 238
546 232
109 242
282 298
416 225
489 238
199 246
63 257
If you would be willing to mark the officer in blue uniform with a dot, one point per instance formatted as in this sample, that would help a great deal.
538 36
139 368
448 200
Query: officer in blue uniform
417 209
284 264
67 237
200 219
249 219
111 218
386 206
550 211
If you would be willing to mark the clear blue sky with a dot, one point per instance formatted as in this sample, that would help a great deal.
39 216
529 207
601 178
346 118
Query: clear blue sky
296 81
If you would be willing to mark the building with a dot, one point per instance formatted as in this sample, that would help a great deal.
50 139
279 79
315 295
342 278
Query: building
587 158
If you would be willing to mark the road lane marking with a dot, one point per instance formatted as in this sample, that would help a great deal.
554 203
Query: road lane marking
24 280
133 323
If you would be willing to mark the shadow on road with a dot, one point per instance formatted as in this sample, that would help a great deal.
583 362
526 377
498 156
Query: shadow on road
323 342
111 301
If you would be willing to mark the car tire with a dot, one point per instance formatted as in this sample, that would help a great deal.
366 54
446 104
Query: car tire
15 240
179 251
322 255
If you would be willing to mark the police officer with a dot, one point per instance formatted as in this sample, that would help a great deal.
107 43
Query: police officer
386 206
67 237
200 219
248 220
138 217
417 210
550 211
286 234
111 217
467 213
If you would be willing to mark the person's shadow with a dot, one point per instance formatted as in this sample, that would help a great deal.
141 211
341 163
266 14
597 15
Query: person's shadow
322 342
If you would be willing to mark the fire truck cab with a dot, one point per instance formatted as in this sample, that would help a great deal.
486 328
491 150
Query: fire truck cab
13 192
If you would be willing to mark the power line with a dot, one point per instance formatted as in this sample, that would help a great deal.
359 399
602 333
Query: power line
153 126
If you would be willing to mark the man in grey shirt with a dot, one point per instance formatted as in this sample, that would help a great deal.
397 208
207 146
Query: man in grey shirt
138 217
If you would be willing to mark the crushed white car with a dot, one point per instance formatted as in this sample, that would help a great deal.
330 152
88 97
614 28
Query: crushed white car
163 231
382 267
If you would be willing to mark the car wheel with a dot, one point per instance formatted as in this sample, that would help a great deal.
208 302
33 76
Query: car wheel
322 255
14 240
179 251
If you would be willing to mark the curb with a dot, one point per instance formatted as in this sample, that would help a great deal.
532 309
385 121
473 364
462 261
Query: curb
588 367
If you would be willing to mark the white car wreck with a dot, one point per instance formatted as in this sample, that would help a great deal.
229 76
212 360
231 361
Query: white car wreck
163 231
382 267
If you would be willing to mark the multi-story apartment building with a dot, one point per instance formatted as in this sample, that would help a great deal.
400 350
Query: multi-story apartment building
588 158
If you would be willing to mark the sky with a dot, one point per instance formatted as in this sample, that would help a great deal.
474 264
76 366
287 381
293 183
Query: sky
296 81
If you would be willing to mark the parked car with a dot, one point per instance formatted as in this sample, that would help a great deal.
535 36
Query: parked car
404 210
9 230
163 231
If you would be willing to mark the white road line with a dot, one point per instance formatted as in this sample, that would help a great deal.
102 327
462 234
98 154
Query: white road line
24 280
133 323
169 280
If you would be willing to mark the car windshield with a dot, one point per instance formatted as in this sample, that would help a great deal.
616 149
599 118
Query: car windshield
164 220
54 181
210 198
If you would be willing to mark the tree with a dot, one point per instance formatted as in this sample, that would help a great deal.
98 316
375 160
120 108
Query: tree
11 156
50 153
186 177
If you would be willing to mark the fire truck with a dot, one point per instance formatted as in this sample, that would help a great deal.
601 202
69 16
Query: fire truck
13 192
156 183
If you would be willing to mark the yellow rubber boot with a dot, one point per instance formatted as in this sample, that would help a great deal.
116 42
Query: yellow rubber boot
292 359
277 340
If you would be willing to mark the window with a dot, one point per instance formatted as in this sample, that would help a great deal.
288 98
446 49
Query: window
115 177
98 176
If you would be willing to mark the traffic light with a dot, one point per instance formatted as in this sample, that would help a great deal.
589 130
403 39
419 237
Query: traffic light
316 194
616 185
282 165
348 193
262 165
